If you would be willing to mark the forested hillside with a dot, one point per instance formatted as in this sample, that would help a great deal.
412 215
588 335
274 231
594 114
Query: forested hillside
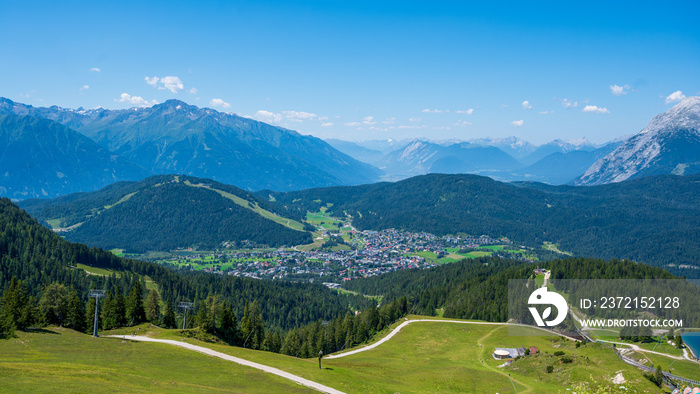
38 257
655 220
478 289
166 212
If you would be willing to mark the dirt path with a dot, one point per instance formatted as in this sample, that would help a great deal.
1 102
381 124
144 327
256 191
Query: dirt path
210 352
404 324
485 353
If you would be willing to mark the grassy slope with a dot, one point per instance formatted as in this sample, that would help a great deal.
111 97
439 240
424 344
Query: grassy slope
445 357
63 360
423 357
293 224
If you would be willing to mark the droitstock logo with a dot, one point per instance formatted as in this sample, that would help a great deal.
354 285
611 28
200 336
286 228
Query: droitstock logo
543 297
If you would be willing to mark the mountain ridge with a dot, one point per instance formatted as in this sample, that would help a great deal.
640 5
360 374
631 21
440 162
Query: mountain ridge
175 137
669 140
43 158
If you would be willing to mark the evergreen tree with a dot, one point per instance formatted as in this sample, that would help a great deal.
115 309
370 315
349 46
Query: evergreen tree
7 329
153 307
17 305
203 320
228 329
75 318
90 316
169 320
119 307
252 326
53 306
135 312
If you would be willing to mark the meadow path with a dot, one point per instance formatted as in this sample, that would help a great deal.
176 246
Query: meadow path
407 322
210 352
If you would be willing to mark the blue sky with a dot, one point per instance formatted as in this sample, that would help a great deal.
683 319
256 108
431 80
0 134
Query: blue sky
365 70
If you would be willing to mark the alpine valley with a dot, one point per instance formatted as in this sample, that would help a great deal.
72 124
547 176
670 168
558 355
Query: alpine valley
241 220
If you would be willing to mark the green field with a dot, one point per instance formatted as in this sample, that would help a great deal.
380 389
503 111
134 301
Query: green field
96 271
323 220
539 280
447 357
423 357
61 360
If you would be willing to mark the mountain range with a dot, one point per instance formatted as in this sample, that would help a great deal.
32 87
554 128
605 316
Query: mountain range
174 137
52 151
669 144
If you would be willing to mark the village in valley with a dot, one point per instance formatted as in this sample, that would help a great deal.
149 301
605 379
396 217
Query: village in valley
342 253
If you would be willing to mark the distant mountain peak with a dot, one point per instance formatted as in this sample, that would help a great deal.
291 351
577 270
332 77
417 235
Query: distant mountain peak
670 143
684 114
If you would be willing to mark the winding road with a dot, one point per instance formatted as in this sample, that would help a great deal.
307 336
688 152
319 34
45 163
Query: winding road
407 322
210 352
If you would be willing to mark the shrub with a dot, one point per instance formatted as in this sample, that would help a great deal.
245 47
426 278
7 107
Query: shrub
559 353
550 369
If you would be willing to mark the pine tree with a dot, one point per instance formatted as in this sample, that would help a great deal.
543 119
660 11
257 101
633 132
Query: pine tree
203 320
90 316
153 307
169 320
135 313
17 306
252 326
7 329
228 329
53 306
75 318
119 308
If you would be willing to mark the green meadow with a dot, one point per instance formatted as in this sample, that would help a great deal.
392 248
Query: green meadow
436 357
61 360
443 357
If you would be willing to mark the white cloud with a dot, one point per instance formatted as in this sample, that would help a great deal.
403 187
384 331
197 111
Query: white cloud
675 97
517 123
136 100
95 69
299 116
171 83
326 124
595 109
152 81
367 121
468 111
566 103
219 103
85 87
526 105
434 111
267 116
415 120
546 112
389 121
193 90
462 123
619 90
